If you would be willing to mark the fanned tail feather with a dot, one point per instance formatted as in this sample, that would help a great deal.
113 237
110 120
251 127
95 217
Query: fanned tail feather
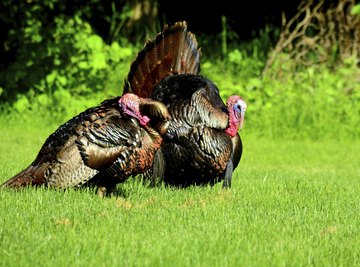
30 176
173 51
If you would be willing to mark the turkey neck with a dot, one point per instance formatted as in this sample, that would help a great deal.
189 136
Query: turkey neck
234 123
155 139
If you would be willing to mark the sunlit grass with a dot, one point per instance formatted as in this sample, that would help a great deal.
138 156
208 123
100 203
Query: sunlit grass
292 203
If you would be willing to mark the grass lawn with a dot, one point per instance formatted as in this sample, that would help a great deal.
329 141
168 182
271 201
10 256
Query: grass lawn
292 203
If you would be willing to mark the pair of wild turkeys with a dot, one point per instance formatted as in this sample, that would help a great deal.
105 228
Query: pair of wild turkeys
170 121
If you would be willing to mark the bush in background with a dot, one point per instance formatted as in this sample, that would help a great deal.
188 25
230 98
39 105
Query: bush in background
65 67
83 66
315 102
53 60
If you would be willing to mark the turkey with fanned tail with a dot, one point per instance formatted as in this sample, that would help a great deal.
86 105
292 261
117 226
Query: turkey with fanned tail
101 146
202 144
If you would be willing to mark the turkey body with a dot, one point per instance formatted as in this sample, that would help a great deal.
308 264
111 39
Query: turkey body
196 150
202 144
101 146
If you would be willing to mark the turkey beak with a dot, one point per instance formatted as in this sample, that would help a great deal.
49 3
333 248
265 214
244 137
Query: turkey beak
142 119
242 116
243 107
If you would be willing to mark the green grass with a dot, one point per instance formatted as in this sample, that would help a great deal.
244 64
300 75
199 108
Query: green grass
292 203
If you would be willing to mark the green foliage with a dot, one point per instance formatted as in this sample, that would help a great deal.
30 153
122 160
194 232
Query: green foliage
355 10
58 58
316 106
70 66
291 102
117 20
62 66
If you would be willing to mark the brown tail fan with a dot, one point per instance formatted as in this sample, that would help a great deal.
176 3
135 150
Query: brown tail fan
173 51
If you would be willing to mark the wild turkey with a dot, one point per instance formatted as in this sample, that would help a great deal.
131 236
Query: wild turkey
202 144
102 145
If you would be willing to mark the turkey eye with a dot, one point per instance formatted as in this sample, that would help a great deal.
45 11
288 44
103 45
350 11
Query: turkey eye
237 107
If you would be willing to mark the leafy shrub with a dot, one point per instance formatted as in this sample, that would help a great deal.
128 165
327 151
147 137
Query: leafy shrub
290 102
66 68
80 65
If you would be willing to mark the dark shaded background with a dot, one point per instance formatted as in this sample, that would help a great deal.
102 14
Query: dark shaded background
246 20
